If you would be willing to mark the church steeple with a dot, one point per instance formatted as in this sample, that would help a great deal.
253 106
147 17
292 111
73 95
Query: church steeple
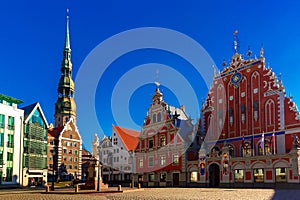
65 107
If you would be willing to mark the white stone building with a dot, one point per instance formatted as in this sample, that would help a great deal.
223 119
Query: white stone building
11 139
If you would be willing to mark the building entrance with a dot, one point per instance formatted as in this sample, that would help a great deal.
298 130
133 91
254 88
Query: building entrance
176 179
214 175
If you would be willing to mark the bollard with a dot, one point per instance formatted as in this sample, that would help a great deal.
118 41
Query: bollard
139 186
119 188
47 188
76 188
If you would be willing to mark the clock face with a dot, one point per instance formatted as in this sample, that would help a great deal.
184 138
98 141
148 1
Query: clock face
236 78
67 104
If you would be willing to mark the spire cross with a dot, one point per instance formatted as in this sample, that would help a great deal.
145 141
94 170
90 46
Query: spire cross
235 42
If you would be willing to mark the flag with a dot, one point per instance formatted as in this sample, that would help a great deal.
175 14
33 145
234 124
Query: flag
235 32
262 141
273 142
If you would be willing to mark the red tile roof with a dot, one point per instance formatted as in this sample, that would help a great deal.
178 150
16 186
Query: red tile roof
55 132
129 137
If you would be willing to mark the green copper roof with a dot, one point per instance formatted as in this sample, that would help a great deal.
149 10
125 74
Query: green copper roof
10 99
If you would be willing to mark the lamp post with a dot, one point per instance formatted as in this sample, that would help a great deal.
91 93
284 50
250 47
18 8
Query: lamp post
132 178
53 176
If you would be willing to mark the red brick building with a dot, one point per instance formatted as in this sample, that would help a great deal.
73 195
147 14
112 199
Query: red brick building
251 128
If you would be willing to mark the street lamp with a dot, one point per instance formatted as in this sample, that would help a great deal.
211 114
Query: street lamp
132 156
53 154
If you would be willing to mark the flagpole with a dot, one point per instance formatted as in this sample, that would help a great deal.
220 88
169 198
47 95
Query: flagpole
274 143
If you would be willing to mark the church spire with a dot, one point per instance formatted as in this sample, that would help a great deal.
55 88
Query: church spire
67 38
65 107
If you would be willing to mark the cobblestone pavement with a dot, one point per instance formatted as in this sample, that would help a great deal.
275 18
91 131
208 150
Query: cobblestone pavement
156 194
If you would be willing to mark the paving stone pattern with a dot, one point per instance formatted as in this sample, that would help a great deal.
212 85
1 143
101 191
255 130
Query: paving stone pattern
157 194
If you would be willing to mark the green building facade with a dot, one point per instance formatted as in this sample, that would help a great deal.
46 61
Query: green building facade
34 146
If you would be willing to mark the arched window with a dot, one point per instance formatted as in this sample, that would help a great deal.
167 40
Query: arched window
246 149
266 150
158 117
270 112
154 118
231 150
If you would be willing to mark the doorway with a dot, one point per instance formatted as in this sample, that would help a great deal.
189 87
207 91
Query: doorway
175 179
214 175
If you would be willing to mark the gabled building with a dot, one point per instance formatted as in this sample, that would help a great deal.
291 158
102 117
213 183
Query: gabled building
11 139
34 146
65 151
105 149
116 155
160 157
251 127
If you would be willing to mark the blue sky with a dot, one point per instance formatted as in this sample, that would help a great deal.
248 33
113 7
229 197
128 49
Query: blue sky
32 38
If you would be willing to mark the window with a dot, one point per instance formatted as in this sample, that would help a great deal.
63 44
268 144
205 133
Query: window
246 149
194 177
158 117
9 156
1 158
163 176
70 151
75 167
151 143
75 144
280 174
266 150
1 139
75 159
150 161
255 108
117 150
71 136
65 150
151 177
70 159
141 164
162 140
1 121
175 159
154 118
239 175
9 171
231 150
51 142
231 116
10 142
70 166
258 175
162 160
76 152
11 123
243 109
